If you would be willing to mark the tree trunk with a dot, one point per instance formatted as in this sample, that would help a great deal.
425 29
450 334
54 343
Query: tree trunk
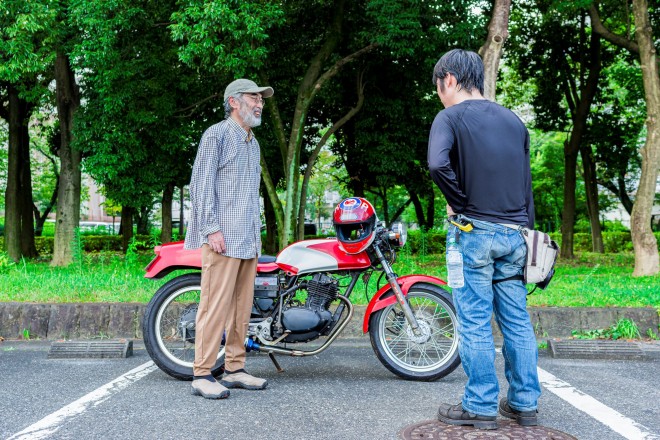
68 206
568 213
386 206
419 210
182 220
166 219
311 83
355 183
40 218
270 245
491 51
28 247
143 220
430 208
126 226
591 189
19 232
399 211
619 190
647 261
572 147
315 154
13 197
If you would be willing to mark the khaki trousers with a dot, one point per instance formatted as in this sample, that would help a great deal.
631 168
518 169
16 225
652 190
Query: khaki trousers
225 305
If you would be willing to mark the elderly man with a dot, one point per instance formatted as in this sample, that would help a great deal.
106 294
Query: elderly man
225 223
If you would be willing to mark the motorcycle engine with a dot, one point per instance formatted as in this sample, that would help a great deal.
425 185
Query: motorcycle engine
313 316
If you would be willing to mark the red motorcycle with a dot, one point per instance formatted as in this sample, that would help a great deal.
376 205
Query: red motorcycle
304 293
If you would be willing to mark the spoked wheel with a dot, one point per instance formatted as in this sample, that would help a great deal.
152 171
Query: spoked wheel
169 327
428 356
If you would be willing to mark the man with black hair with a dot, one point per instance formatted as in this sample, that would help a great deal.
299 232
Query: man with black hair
478 156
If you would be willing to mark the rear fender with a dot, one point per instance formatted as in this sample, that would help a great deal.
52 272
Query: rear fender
172 256
385 296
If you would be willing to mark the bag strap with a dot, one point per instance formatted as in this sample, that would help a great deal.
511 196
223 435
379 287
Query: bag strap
535 246
516 278
512 278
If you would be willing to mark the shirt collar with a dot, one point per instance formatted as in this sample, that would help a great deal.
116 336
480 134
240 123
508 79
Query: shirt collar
248 135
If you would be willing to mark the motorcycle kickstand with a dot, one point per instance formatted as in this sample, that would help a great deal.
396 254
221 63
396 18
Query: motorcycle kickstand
277 364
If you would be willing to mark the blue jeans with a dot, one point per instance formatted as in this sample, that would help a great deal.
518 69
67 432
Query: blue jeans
493 252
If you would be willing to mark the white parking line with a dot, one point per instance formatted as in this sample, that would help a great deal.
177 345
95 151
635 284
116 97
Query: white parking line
614 420
51 423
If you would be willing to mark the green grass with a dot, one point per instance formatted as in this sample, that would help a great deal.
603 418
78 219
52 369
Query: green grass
622 329
98 278
591 280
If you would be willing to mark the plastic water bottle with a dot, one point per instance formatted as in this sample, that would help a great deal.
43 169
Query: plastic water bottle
454 265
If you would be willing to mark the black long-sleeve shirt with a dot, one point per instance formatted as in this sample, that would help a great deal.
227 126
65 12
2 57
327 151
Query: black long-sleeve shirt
479 157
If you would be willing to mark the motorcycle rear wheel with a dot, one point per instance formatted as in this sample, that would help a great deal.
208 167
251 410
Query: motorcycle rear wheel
426 357
168 327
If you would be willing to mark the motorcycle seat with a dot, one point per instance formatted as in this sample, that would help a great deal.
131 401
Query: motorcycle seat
266 259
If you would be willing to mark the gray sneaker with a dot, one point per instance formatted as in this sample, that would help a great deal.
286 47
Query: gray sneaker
208 389
241 379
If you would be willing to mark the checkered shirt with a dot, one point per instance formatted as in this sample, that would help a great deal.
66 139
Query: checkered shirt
224 191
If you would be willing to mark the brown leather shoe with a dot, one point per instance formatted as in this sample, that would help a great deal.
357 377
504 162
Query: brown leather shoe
456 415
241 379
208 389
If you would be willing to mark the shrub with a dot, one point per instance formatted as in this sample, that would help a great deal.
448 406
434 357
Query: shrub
424 243
613 241
92 243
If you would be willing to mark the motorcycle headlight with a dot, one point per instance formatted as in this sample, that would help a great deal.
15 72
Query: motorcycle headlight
399 234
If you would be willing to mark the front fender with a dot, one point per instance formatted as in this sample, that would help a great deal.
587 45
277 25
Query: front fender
385 297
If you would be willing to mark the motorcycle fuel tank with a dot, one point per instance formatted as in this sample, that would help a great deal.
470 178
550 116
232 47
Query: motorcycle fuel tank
319 256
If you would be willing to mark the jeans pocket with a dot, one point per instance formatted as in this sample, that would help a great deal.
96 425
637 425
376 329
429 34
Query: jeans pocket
476 247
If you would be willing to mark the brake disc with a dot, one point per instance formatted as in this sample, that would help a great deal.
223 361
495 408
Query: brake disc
424 332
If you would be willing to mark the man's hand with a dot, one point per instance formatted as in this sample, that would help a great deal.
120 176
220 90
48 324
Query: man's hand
450 211
217 242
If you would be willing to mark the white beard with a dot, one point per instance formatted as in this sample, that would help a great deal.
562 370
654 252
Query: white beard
249 118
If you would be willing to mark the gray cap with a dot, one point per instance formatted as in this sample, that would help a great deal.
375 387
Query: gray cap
246 86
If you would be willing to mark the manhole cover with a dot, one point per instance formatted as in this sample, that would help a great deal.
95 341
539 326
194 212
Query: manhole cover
508 430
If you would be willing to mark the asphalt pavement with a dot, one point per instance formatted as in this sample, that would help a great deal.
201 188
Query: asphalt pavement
341 393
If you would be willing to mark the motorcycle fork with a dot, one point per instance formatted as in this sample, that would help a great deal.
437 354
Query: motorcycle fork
400 297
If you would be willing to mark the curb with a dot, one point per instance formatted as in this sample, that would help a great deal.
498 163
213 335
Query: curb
124 320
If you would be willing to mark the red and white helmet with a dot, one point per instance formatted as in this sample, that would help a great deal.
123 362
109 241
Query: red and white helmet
355 223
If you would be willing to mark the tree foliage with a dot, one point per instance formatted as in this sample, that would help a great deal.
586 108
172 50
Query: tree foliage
152 76
135 129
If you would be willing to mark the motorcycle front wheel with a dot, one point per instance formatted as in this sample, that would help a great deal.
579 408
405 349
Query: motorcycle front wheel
428 356
168 327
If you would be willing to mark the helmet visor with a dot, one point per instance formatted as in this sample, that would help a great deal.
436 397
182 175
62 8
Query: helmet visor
353 232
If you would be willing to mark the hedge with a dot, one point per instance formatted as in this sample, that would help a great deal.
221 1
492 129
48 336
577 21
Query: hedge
92 243
419 242
433 242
